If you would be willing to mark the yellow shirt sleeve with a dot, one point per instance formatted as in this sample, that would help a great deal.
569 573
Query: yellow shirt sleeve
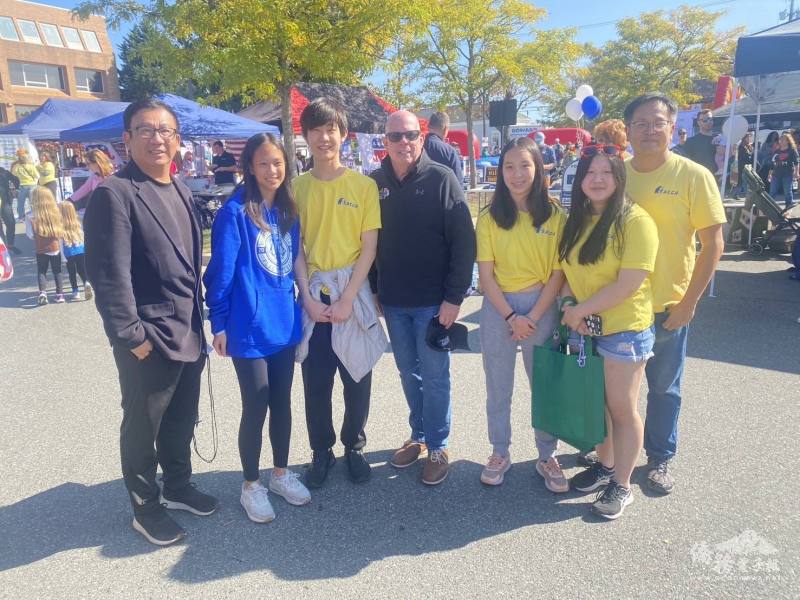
562 221
640 243
706 208
484 236
372 207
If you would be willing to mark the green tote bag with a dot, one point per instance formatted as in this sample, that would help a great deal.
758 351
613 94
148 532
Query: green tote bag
568 392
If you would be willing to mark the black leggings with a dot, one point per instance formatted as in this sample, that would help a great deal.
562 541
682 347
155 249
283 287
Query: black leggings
54 262
265 383
76 264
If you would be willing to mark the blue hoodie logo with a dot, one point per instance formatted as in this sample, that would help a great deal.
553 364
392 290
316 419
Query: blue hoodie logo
274 252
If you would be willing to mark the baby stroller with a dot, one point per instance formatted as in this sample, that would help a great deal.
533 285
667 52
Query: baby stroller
766 204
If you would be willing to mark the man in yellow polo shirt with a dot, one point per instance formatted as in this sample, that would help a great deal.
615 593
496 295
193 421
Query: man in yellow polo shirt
339 219
683 199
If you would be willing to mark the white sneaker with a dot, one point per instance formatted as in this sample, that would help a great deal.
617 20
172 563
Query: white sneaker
290 487
255 501
88 290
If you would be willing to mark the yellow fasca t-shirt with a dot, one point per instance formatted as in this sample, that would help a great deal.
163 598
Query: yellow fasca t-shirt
523 255
639 248
681 196
332 216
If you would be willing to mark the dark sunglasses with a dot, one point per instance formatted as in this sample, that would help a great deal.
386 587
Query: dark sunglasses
396 136
607 149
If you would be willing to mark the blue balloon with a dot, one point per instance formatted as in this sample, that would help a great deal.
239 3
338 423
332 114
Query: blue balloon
592 107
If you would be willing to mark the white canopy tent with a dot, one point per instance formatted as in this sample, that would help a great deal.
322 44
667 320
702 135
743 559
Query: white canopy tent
767 67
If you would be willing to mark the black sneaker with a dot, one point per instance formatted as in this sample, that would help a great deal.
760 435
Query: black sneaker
317 471
587 459
157 526
658 478
611 502
592 478
357 466
191 499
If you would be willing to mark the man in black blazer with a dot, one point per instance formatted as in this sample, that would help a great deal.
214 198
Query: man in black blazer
143 257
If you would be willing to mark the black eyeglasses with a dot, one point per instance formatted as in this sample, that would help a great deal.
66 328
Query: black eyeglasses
595 149
396 136
146 132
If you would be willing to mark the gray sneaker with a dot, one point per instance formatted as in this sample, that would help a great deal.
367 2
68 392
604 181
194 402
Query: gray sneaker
659 479
290 488
611 502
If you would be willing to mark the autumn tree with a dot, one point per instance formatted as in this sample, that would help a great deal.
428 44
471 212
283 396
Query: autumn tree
663 51
463 51
261 48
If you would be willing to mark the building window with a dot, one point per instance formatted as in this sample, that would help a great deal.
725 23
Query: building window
3 119
72 38
36 75
7 30
87 80
51 36
90 39
29 32
23 110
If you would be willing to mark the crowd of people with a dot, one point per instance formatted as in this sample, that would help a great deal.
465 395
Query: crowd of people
302 268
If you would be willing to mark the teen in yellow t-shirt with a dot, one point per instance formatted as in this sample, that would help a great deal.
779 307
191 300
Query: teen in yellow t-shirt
339 219
607 252
517 248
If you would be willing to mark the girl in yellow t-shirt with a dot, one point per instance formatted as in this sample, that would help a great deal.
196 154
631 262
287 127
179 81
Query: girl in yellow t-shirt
517 251
607 252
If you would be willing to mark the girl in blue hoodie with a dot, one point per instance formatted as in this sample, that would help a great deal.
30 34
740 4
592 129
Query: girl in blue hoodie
255 316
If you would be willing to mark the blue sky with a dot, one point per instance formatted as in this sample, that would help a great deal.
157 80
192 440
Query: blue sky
595 17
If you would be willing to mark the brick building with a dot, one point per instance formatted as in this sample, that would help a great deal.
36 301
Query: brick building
46 53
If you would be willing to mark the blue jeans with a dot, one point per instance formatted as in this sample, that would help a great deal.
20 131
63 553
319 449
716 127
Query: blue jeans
782 183
23 193
664 372
424 374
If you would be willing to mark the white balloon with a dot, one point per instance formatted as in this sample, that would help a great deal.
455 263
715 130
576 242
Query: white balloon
574 110
583 91
735 128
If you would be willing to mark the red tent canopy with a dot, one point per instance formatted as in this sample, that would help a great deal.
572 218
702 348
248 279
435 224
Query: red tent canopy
459 136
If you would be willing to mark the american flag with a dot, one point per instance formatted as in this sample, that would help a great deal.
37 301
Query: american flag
6 267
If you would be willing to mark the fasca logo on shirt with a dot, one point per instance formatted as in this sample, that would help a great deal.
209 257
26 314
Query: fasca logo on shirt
542 231
345 202
665 192
275 263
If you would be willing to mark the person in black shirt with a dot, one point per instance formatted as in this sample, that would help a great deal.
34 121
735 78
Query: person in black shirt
426 252
6 212
680 147
437 149
784 169
143 257
701 148
223 165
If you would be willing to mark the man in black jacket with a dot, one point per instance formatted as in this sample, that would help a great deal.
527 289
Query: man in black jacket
426 252
437 149
143 256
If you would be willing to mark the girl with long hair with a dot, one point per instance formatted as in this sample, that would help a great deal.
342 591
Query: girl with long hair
784 169
607 252
44 226
99 164
517 250
72 246
255 316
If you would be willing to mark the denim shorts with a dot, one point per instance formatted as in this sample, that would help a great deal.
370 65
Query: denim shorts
627 346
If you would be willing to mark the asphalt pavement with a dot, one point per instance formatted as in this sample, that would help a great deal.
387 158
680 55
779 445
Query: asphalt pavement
729 530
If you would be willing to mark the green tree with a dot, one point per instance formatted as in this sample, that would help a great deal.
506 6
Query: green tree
138 79
463 51
261 48
656 51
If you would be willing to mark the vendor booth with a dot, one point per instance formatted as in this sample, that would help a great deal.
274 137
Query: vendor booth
767 67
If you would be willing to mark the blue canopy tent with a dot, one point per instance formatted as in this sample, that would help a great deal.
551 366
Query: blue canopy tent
196 122
55 115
